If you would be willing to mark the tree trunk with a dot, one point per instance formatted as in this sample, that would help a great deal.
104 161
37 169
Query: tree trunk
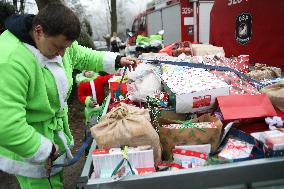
22 6
15 4
43 3
113 17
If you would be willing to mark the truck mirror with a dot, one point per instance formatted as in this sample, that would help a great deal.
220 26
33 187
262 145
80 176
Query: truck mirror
161 32
130 34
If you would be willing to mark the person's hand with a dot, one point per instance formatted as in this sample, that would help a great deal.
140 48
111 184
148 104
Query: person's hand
129 62
53 156
92 104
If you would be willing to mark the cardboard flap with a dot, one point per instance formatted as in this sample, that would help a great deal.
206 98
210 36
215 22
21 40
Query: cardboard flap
245 106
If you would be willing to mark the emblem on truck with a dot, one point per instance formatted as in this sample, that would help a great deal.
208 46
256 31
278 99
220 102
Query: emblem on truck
243 28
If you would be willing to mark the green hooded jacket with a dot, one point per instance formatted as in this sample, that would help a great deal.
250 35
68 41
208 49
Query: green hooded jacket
33 109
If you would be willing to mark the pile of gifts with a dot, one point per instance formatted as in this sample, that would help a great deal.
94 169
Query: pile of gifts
188 136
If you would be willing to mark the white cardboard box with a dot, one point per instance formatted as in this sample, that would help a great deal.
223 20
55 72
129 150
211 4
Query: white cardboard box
195 89
105 160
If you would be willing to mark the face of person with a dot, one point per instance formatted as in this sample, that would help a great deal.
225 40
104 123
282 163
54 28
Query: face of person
50 46
88 74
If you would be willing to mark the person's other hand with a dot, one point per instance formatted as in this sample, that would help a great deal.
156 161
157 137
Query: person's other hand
92 104
129 62
53 156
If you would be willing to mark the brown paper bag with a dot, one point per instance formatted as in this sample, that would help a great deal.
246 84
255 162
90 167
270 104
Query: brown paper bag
127 125
275 93
190 136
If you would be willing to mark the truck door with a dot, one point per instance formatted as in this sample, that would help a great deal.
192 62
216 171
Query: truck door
204 20
167 19
154 22
171 24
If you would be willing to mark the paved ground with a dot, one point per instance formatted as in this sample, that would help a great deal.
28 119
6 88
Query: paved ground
76 119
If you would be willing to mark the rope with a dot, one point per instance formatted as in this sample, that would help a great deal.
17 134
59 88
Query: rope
209 67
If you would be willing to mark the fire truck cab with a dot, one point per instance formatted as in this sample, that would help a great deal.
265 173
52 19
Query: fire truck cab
181 20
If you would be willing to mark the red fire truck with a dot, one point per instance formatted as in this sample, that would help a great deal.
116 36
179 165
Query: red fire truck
252 27
181 20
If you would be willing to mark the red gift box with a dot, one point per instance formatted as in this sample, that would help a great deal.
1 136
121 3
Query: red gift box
236 107
113 87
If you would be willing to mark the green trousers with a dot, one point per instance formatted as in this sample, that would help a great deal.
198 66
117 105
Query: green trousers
41 183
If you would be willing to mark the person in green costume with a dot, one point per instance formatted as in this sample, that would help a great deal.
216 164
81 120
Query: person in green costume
38 55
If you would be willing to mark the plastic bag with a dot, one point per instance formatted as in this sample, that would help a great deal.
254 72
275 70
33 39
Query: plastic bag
144 83
275 93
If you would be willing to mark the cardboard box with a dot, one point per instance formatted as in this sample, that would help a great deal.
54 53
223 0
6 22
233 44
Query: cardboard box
189 136
192 89
105 160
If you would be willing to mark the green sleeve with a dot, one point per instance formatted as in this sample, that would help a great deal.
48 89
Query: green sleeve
84 58
15 133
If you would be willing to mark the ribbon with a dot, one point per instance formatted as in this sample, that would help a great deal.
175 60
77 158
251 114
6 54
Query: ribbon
189 124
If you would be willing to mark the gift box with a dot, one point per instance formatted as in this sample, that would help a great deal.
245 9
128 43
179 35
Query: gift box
188 158
114 86
236 107
193 89
203 148
273 140
256 152
106 160
235 149
172 135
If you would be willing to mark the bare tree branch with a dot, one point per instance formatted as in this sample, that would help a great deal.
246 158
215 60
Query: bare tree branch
108 6
22 6
113 16
15 4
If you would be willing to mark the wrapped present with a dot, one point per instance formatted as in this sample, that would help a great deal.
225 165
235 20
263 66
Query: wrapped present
275 142
241 63
236 107
235 149
106 160
168 166
203 49
194 89
273 139
184 134
203 148
188 158
201 125
113 87
257 151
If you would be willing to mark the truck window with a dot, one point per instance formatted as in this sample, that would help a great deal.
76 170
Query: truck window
135 26
142 23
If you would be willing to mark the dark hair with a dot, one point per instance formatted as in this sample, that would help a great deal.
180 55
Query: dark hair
56 19
6 10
